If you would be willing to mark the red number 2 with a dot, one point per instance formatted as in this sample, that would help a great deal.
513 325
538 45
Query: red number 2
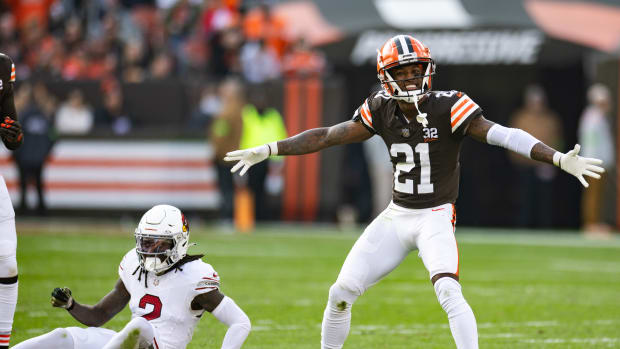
153 300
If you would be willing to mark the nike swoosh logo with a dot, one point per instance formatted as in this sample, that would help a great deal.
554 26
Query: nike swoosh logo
438 209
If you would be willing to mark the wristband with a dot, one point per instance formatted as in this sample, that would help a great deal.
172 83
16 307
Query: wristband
556 158
71 306
273 148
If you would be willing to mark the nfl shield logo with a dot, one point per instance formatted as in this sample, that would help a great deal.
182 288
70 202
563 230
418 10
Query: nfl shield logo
405 132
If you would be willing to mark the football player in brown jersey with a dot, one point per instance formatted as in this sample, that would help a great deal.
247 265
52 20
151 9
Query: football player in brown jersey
12 137
423 130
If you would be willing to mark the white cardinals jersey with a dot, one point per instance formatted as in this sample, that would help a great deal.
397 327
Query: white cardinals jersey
165 301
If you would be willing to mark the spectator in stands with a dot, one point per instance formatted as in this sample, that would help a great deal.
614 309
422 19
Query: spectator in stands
110 35
225 135
534 177
74 67
595 137
193 58
9 38
74 116
112 116
260 63
37 107
162 66
225 46
303 60
180 21
217 16
100 64
208 107
73 38
35 42
261 23
133 62
32 11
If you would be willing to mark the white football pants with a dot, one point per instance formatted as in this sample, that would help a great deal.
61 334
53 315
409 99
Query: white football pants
8 265
94 337
382 247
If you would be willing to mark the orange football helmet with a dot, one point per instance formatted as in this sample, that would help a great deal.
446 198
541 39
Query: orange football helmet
401 50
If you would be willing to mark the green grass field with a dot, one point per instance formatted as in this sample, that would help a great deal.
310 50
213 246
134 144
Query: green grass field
543 290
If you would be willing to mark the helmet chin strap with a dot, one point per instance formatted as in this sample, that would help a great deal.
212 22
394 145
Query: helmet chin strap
152 263
421 117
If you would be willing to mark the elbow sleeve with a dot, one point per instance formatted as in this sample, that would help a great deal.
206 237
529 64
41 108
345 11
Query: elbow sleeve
513 139
229 313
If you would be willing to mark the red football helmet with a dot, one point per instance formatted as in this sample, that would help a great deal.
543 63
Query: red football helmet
401 50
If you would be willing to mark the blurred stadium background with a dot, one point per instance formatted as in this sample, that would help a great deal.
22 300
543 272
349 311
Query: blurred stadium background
142 81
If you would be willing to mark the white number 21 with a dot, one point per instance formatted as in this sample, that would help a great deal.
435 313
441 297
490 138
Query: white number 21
425 186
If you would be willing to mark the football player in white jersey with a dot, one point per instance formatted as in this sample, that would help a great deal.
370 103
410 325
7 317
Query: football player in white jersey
423 131
167 291
12 137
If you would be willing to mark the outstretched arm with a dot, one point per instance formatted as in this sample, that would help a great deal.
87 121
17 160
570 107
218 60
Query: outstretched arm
229 313
309 141
317 139
519 141
93 315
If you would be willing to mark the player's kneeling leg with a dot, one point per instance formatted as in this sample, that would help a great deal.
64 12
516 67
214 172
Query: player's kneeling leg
337 316
138 333
59 338
8 289
460 315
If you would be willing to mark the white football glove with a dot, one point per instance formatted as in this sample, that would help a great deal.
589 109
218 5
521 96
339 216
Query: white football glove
579 166
248 157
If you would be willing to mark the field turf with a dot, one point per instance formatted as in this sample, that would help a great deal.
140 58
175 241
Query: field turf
528 290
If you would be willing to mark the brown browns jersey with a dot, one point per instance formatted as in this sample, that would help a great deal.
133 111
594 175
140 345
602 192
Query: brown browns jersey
7 78
7 103
425 159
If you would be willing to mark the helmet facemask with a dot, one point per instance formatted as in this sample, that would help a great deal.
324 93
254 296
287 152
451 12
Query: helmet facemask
157 253
390 85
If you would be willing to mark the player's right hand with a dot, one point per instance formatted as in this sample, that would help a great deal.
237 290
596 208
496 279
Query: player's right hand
247 157
61 298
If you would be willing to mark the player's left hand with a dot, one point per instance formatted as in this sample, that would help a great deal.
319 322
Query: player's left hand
579 166
11 130
247 157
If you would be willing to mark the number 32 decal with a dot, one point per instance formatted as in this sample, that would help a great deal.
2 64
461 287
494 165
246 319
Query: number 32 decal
407 187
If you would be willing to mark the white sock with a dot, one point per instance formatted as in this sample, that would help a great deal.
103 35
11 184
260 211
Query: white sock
8 301
137 326
337 317
460 315
57 339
